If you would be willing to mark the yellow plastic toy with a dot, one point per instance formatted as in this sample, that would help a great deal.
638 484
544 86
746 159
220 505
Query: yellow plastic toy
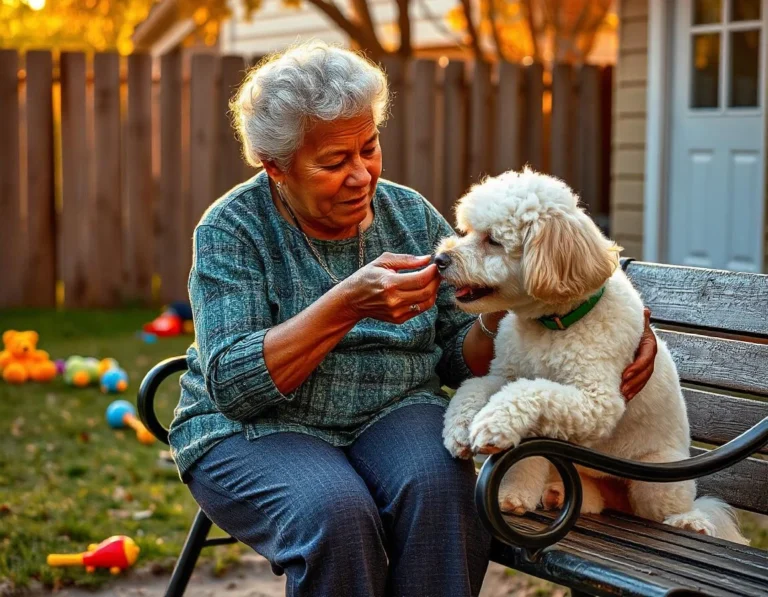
21 361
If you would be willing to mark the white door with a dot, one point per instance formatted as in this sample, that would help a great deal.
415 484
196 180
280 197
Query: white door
716 176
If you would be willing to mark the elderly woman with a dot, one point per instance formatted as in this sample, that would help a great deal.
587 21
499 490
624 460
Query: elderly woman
310 420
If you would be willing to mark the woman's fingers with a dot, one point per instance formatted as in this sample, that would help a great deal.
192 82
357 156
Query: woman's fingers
417 280
398 261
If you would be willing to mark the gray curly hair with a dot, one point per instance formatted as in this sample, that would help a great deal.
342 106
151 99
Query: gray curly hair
287 92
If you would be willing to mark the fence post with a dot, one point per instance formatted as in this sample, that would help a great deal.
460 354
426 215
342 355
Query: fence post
231 168
40 288
202 122
172 240
139 185
534 116
74 238
508 130
106 213
455 124
13 243
479 122
420 134
562 137
392 136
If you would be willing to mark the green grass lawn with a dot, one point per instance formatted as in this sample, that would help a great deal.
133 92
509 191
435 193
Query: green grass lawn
66 478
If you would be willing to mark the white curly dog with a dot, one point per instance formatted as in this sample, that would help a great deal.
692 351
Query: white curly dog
529 249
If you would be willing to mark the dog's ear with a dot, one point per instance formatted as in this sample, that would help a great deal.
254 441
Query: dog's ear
565 257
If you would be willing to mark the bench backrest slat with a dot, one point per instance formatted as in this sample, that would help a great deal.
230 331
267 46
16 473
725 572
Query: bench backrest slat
719 363
717 418
722 350
703 298
743 485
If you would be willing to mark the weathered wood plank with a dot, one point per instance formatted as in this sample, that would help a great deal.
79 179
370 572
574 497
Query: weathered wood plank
172 239
74 234
717 418
13 241
744 485
202 134
534 116
392 137
455 126
588 177
40 286
139 187
718 362
479 122
508 133
420 165
106 217
698 297
564 125
231 168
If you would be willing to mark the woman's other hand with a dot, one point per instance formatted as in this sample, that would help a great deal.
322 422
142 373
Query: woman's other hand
637 374
379 291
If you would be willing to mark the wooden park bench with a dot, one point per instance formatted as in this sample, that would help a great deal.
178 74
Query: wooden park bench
716 326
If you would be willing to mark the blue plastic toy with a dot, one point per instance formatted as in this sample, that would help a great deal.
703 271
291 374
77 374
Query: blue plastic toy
114 381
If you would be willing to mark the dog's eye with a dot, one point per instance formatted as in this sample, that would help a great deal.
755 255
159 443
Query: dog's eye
493 242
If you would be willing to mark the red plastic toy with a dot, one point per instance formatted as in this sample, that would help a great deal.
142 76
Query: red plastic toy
116 553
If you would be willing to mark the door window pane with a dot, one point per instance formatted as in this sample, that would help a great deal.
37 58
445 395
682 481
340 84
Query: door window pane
745 63
745 10
705 70
707 11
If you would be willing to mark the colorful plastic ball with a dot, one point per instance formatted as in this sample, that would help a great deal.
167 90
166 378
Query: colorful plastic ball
107 364
114 381
61 365
116 413
149 337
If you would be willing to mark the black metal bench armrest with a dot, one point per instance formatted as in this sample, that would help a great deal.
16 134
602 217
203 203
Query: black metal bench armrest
564 455
147 390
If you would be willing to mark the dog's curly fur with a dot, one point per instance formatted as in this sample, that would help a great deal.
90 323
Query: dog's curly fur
526 238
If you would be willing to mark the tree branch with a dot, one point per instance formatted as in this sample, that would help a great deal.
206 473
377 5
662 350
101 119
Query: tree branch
404 24
495 29
465 4
366 21
528 7
357 33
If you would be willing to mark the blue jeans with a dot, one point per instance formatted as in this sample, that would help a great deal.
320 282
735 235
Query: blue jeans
392 514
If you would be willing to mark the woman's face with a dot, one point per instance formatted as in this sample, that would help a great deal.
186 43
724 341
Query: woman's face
331 183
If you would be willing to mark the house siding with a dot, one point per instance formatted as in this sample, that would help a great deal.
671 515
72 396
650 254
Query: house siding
629 119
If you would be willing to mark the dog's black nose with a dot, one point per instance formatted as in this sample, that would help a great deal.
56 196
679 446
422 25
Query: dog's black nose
442 261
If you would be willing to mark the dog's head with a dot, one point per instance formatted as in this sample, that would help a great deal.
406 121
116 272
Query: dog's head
524 242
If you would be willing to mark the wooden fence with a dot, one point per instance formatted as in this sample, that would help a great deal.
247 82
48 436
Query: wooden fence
107 163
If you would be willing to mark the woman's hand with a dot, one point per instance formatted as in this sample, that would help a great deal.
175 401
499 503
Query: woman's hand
637 374
379 291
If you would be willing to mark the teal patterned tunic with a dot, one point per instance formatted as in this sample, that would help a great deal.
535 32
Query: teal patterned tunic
252 270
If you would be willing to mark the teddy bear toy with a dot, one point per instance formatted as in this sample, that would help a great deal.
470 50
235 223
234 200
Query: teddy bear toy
21 361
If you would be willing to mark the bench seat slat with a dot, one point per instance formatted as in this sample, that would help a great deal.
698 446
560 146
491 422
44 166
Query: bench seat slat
696 297
729 364
743 485
609 542
717 418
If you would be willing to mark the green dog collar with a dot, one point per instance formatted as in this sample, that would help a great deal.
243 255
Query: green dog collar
555 322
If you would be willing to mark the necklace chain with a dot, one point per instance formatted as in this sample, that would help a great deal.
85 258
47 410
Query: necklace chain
320 260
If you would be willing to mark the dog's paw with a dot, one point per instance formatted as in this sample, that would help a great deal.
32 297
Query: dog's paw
690 522
518 502
456 440
492 431
554 496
